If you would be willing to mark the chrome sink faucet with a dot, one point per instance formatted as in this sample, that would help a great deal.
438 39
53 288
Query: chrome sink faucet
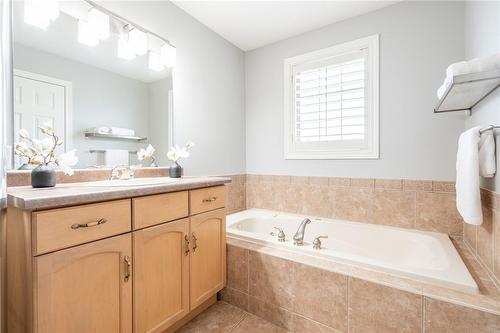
126 172
298 238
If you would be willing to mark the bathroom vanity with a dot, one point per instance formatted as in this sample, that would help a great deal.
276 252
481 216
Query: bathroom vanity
86 258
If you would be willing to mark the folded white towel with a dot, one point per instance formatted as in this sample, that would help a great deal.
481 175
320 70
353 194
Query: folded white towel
457 68
114 157
487 158
465 67
100 130
468 196
122 131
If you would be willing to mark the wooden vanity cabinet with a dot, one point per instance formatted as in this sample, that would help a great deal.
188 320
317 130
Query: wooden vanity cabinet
208 257
139 271
87 288
161 275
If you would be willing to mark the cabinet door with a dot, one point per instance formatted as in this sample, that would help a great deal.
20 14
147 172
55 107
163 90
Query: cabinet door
85 289
161 276
208 255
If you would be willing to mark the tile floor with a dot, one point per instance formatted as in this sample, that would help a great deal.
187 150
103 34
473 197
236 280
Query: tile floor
224 318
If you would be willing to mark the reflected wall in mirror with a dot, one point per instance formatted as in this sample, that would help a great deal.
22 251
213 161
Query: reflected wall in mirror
102 82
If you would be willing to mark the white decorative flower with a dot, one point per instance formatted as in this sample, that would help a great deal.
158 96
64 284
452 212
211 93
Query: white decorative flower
175 153
67 160
43 146
22 148
24 133
172 155
145 154
47 128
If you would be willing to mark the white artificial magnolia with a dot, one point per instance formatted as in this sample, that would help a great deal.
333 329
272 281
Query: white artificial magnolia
43 151
146 154
67 160
176 153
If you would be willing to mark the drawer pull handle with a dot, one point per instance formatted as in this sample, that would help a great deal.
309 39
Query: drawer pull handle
128 268
90 224
186 251
195 245
211 199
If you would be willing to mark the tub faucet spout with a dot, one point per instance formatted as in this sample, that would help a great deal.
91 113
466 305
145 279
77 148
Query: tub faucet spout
298 238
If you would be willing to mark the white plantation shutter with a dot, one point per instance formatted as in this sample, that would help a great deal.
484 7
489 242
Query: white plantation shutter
331 102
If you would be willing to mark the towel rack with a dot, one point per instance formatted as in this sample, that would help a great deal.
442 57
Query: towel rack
92 151
491 127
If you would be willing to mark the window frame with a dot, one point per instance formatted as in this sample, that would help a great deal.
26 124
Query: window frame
292 150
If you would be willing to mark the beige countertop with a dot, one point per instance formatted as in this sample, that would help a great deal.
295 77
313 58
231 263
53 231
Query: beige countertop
68 194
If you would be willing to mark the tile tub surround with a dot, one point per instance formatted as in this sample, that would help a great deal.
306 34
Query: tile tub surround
422 205
484 240
235 193
294 291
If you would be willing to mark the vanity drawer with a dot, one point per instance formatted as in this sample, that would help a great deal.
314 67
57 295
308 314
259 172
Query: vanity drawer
156 209
56 229
206 199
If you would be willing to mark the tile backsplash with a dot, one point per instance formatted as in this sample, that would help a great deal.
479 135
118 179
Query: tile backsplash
484 240
416 204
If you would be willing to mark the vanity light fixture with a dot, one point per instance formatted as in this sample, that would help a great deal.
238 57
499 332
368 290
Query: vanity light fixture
125 50
86 35
168 55
99 23
139 41
39 13
155 61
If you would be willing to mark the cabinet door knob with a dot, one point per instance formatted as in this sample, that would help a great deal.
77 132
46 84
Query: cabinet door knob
89 224
186 251
195 245
128 268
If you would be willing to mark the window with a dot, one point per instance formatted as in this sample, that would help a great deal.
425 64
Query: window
331 102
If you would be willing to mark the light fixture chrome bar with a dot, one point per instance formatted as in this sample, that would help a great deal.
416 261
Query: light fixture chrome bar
127 22
491 127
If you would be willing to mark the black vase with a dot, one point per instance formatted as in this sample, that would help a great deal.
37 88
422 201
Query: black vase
43 176
175 170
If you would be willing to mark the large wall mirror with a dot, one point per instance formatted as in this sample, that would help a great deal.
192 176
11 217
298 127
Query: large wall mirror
102 82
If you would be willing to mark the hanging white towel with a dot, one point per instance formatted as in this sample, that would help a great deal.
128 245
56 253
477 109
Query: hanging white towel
114 157
467 187
487 158
122 131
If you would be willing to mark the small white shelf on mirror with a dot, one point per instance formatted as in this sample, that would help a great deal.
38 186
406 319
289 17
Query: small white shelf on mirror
467 90
115 137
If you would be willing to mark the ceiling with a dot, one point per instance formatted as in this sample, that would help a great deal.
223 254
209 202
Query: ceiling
252 24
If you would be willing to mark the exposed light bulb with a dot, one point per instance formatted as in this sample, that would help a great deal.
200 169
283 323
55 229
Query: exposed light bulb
168 55
86 34
155 62
99 23
139 41
39 13
125 50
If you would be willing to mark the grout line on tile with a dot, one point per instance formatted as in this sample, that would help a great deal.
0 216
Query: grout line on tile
245 315
422 317
348 278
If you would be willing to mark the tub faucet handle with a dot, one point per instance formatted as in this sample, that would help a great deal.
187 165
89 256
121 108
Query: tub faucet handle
281 234
317 242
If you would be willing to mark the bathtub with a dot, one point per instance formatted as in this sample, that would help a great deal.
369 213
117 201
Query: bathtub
424 256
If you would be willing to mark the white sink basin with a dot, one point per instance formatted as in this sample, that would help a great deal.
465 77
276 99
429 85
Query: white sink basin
132 182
